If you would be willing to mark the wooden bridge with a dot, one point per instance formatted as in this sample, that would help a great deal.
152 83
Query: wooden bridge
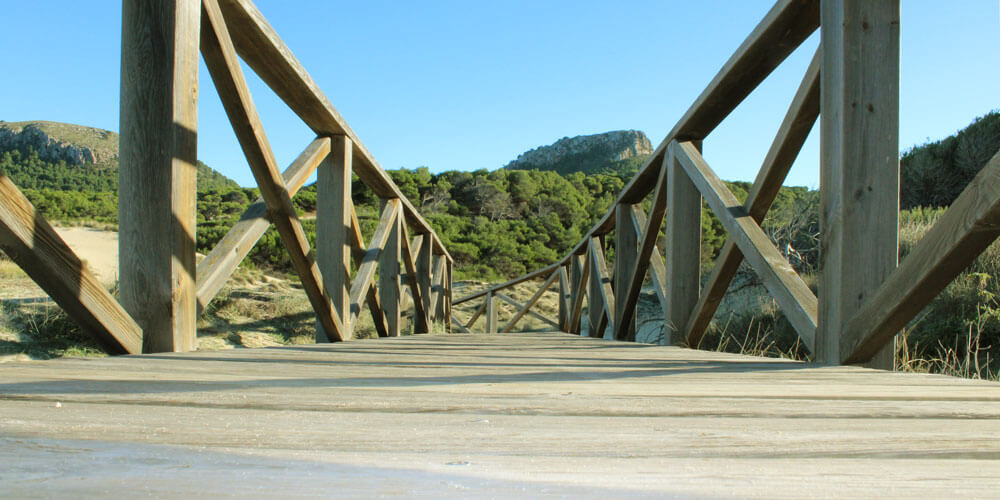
501 413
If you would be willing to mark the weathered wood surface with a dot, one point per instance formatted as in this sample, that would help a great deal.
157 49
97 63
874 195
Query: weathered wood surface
364 278
462 416
683 248
601 306
28 239
333 230
157 174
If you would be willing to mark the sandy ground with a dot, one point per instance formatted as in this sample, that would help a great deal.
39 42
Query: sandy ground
98 249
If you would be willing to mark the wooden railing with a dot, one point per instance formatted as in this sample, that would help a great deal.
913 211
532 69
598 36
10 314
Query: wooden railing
162 290
852 85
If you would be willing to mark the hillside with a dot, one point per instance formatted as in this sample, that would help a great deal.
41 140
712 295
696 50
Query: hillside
618 152
68 157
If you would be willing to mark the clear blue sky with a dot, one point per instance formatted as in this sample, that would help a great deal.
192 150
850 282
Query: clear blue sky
458 85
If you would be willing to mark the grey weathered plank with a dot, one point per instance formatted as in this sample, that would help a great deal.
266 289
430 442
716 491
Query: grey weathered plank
602 297
437 287
216 268
358 252
333 227
224 66
364 278
564 299
422 258
970 225
784 284
491 313
28 239
627 260
788 141
683 248
581 277
859 167
389 286
157 170
421 323
264 51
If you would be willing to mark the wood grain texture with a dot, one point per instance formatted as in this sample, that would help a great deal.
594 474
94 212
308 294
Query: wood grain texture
581 278
215 269
859 167
223 65
683 248
633 276
658 271
372 259
788 141
626 262
358 252
28 239
157 170
423 281
782 282
389 286
970 225
564 300
602 296
530 303
437 287
491 313
333 229
263 50
421 323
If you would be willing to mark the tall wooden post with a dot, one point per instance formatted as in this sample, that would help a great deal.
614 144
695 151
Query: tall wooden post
449 279
578 288
438 278
683 248
564 306
626 256
595 305
157 173
491 313
333 226
423 267
859 162
389 288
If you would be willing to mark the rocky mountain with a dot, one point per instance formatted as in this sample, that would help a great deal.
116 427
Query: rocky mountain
64 156
619 151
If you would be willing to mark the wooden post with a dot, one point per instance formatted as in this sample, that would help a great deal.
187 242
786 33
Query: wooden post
596 305
564 306
683 248
859 133
438 277
578 278
626 254
423 265
388 278
448 280
333 229
158 154
491 313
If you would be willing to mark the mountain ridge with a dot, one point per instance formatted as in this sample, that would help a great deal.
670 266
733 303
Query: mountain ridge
614 152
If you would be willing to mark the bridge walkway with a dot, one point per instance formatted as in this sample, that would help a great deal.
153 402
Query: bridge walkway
490 415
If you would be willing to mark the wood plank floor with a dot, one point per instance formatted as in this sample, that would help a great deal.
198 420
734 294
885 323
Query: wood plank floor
536 415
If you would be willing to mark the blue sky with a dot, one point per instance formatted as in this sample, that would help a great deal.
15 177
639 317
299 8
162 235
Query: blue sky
458 85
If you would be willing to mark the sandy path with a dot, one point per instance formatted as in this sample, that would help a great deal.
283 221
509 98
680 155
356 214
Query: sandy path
99 249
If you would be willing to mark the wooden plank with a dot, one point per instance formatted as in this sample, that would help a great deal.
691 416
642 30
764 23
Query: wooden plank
449 283
364 278
264 51
216 268
460 326
564 299
437 287
476 315
223 65
531 302
157 171
333 225
957 238
28 239
659 271
507 284
633 276
792 134
602 306
491 313
421 324
683 252
388 270
859 168
518 305
422 256
581 273
358 252
626 261
784 284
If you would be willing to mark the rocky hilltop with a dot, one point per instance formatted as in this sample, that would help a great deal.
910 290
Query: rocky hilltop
587 153
53 141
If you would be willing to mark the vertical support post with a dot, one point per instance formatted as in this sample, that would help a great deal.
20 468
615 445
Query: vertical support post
423 266
626 258
577 291
491 313
683 247
333 226
389 286
437 285
859 134
448 280
595 303
564 304
159 124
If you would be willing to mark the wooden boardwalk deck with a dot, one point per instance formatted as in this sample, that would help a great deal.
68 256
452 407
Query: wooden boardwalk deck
490 416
